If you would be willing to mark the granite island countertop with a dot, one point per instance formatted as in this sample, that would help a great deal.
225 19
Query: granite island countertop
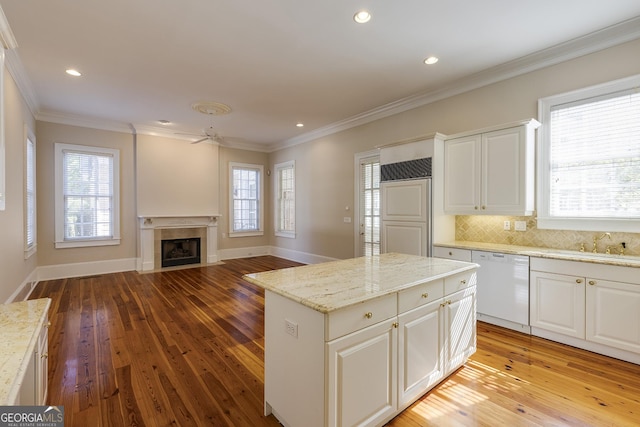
20 323
333 285
563 254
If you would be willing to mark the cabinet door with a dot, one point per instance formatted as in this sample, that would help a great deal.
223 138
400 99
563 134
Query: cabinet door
421 359
613 314
504 171
405 200
462 175
362 387
460 327
42 371
405 237
557 303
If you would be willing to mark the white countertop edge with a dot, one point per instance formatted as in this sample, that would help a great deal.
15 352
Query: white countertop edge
322 308
563 254
14 389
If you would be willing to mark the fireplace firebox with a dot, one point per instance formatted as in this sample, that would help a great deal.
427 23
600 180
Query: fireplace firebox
180 252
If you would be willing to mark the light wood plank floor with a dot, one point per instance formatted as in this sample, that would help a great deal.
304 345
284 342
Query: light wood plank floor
186 348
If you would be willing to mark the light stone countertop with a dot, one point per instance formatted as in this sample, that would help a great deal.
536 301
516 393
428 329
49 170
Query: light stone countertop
330 286
563 254
20 323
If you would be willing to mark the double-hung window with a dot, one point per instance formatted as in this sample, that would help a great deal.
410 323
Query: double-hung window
30 194
589 162
245 200
285 199
87 196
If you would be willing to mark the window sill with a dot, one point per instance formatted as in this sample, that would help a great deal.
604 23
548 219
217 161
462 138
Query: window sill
86 243
30 251
287 234
246 233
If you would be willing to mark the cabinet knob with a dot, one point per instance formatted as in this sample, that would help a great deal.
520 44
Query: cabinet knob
450 253
578 280
44 355
484 207
592 282
475 207
464 282
425 295
368 315
395 324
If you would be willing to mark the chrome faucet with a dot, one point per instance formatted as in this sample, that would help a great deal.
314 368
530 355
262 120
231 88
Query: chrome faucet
596 238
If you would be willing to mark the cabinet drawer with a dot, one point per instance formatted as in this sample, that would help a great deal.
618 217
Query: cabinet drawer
452 253
353 318
418 295
459 281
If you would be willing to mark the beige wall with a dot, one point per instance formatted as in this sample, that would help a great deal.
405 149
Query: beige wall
241 156
324 167
50 133
14 269
176 177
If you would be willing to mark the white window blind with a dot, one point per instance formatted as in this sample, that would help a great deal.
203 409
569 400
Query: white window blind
595 157
370 202
88 195
286 200
30 194
246 198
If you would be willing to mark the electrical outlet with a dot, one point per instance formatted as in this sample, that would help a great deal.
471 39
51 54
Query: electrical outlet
347 219
291 328
507 225
521 225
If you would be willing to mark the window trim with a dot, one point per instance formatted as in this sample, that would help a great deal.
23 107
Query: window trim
60 241
260 169
30 249
291 234
544 219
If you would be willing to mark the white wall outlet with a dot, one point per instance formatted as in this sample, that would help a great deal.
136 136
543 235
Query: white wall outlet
291 328
521 225
347 219
506 225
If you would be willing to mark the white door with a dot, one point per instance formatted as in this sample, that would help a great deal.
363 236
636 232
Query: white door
557 303
421 359
613 314
462 175
362 376
503 166
368 205
460 327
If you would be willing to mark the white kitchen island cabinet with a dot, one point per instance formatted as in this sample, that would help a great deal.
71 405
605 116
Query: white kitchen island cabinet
355 342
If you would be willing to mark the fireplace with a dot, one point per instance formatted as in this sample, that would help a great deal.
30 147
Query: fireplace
180 252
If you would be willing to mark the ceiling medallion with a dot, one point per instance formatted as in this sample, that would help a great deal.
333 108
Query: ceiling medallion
212 108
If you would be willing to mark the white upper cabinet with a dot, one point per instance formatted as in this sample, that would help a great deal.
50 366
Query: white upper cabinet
491 171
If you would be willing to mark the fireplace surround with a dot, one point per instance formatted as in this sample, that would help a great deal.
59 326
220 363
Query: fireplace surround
154 229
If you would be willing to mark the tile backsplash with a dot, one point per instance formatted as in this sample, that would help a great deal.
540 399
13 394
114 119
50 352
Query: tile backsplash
481 228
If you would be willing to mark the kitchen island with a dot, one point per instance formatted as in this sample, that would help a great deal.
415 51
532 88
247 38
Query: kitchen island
354 342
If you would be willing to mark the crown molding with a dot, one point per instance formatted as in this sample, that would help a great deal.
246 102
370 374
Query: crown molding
83 121
623 32
7 39
17 71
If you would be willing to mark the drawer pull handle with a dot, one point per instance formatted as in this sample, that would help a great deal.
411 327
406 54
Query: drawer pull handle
447 302
592 282
44 355
425 295
368 315
464 282
578 280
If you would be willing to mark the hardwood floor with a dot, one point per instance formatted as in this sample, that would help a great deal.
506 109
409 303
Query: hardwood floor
186 348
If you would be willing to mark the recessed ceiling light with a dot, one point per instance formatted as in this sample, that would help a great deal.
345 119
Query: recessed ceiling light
164 122
300 125
431 60
362 16
74 73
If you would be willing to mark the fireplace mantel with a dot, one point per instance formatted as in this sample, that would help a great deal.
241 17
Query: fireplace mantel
148 224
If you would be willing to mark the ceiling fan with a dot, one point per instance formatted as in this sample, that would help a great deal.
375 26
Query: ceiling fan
211 109
209 134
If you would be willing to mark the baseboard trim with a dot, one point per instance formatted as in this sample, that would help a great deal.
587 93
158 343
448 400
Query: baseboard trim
243 252
24 290
62 271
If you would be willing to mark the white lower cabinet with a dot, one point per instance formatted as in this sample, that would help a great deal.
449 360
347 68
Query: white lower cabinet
379 356
362 376
595 312
557 303
33 390
613 314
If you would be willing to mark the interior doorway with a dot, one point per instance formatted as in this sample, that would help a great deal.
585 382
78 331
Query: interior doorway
367 229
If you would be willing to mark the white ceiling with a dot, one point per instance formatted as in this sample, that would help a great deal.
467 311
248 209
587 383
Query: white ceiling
279 62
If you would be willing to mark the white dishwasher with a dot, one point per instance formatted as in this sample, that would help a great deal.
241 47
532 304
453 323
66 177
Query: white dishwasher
503 289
